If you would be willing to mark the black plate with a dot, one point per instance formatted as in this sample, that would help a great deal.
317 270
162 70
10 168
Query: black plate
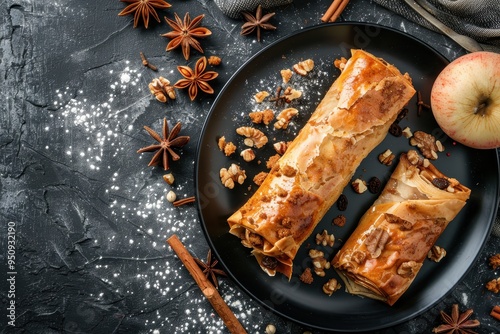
307 304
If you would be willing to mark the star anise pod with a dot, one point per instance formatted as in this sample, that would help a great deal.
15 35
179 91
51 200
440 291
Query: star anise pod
164 147
209 269
185 33
196 79
457 322
256 22
143 9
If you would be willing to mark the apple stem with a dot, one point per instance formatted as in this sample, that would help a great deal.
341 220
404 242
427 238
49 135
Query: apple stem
481 108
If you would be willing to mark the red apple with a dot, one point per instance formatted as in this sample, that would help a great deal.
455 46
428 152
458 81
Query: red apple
465 100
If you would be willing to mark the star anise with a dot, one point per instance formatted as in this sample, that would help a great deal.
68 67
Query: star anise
143 9
209 269
185 33
196 79
164 147
256 22
457 322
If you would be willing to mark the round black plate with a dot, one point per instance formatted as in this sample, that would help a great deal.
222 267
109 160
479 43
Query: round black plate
307 304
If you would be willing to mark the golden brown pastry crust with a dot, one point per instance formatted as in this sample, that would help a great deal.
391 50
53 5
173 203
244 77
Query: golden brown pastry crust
351 120
383 255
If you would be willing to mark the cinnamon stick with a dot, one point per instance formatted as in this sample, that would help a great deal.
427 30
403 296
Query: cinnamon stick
331 10
495 312
339 11
206 287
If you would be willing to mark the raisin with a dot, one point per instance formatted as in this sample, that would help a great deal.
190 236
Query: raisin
402 114
395 130
374 185
342 202
269 262
339 220
440 182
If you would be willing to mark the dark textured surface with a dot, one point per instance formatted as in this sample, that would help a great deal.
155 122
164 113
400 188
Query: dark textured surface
90 217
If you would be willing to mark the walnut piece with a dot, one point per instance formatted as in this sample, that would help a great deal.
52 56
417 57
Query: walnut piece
494 261
436 253
408 269
331 286
386 157
493 285
248 154
304 67
227 147
340 63
259 178
375 241
280 147
169 178
404 225
284 118
325 239
319 262
264 116
407 132
229 176
253 136
426 143
272 161
290 94
359 186
261 96
161 89
306 276
214 60
286 75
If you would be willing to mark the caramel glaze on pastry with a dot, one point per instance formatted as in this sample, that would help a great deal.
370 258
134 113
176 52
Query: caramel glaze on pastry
350 121
385 252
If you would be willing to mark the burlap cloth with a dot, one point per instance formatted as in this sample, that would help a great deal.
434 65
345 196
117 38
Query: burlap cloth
479 19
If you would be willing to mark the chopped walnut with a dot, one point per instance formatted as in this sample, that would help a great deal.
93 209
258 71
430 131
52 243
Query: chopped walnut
291 94
227 147
259 178
260 96
229 176
161 89
358 257
264 116
272 161
436 253
331 286
306 276
359 186
375 241
286 75
169 178
319 262
325 239
495 261
339 220
340 63
404 225
214 60
408 269
248 154
304 67
426 143
284 118
493 285
253 136
386 157
280 147
407 132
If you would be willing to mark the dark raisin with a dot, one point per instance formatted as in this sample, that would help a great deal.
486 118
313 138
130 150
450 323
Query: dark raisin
269 262
440 182
374 185
402 114
342 202
395 130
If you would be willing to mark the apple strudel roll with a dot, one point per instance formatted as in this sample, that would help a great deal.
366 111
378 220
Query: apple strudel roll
383 255
350 121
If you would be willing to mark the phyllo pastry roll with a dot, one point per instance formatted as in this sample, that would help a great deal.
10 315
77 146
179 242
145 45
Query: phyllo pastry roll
353 118
383 255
